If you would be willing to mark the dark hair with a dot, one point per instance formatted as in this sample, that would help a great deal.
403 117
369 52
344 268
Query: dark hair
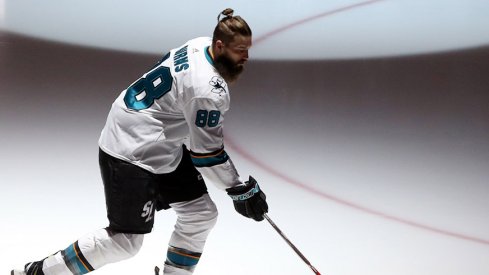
229 26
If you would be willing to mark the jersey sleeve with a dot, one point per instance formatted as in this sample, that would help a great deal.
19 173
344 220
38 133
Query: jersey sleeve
205 117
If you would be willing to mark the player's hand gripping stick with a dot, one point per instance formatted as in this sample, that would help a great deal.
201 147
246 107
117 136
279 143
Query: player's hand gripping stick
291 244
249 200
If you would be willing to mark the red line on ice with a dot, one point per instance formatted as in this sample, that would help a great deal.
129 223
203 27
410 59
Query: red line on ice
289 26
296 183
231 144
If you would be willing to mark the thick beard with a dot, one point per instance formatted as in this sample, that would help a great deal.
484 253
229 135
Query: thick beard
226 67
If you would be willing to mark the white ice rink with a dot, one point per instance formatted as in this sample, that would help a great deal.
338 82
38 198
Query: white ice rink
52 194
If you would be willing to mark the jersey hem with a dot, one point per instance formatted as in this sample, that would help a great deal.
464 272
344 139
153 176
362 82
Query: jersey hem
143 166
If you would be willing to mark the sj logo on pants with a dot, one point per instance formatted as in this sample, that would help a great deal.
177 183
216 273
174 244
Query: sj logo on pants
148 211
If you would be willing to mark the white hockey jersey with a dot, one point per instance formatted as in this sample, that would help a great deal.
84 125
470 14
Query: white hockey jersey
183 99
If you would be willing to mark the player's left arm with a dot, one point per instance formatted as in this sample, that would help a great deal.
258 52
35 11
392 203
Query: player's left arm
205 117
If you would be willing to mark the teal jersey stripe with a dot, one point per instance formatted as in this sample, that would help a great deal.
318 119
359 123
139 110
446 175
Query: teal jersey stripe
210 159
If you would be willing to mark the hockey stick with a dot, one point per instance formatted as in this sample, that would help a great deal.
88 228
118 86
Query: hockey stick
291 244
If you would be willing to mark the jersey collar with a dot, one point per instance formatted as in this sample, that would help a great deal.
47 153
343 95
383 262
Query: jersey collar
208 56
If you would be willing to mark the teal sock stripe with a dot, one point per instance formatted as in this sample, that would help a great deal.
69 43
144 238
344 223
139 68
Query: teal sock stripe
181 258
75 261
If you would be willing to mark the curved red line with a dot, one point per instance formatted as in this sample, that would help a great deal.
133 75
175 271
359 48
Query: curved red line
312 18
292 181
296 183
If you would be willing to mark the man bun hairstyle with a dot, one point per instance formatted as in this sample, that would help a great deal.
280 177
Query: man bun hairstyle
229 26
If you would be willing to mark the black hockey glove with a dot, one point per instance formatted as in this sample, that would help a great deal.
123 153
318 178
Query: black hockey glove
249 200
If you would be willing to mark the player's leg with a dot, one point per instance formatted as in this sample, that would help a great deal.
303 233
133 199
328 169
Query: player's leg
90 252
195 220
130 196
185 192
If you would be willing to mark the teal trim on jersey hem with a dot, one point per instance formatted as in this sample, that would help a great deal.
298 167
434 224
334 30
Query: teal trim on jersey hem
208 56
210 160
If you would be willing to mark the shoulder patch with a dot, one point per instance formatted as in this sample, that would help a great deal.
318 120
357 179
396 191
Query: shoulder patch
218 84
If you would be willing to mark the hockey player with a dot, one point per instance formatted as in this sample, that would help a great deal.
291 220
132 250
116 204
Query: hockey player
162 134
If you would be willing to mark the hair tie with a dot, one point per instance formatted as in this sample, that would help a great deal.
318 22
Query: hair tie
228 13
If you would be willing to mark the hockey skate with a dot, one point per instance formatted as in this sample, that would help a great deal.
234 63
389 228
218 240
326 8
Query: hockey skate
34 268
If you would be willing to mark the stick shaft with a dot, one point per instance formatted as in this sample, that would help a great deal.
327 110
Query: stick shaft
290 244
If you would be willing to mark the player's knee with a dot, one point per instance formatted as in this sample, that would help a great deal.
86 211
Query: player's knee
207 214
206 218
198 214
212 215
134 243
127 245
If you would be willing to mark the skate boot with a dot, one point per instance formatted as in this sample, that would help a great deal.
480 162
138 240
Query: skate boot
34 268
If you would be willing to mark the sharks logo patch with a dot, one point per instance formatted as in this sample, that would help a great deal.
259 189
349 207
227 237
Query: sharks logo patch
219 85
